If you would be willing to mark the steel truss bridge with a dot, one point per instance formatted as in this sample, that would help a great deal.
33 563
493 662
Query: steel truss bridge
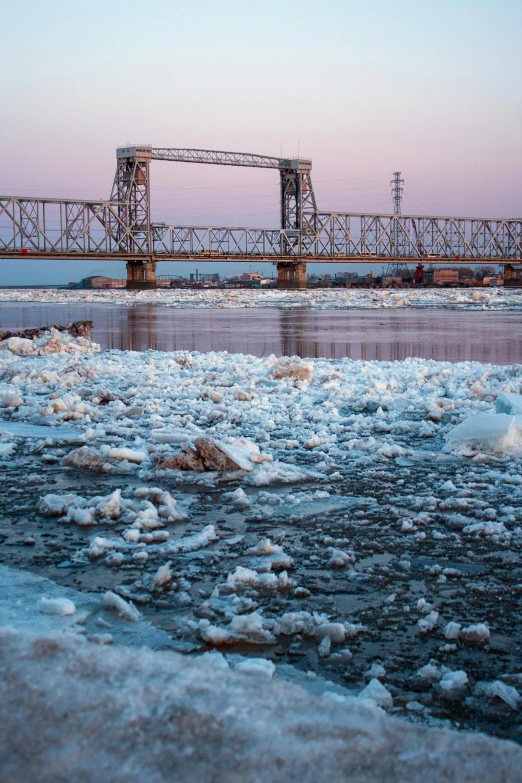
122 228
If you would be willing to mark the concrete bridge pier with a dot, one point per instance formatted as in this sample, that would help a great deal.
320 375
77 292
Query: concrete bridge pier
141 275
291 275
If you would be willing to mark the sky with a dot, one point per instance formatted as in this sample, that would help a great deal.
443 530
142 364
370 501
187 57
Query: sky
431 89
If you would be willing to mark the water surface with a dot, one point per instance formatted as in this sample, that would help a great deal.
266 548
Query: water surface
443 335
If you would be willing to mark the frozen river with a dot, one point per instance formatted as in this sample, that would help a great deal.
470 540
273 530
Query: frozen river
443 335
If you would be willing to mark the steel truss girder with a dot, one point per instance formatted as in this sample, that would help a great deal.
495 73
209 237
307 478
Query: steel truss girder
65 226
221 158
352 235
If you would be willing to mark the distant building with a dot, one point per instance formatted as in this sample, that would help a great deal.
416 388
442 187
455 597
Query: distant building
391 281
512 276
441 276
362 282
99 281
343 275
245 280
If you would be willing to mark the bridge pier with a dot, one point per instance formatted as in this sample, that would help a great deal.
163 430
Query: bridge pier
291 275
141 275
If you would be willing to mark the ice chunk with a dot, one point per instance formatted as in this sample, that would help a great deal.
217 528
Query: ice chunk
431 672
131 455
245 627
11 399
376 691
429 622
6 449
454 681
196 541
170 436
325 645
477 634
163 575
110 506
258 667
248 577
60 606
265 547
124 608
24 430
280 473
55 505
339 559
452 630
509 403
336 632
499 689
495 431
240 499
292 367
80 516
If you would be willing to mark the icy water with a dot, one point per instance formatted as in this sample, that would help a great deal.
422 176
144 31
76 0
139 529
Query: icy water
442 335
372 522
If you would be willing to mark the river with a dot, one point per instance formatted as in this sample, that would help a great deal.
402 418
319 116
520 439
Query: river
492 337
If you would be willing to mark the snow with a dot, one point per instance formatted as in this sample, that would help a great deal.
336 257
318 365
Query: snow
270 730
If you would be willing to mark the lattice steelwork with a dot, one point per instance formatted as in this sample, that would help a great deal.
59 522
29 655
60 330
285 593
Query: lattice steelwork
122 227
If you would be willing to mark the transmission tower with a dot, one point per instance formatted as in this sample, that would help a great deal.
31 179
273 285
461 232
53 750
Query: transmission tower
397 190
398 268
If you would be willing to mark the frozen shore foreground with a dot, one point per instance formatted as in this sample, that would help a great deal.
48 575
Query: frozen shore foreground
70 710
337 298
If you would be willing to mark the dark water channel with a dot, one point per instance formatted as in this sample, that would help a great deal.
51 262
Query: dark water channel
385 335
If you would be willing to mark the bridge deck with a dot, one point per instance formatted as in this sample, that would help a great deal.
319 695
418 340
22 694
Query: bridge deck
206 257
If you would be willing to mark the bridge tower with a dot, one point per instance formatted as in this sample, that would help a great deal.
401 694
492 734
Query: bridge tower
298 219
132 227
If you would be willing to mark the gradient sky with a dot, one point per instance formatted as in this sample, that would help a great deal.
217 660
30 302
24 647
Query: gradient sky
364 88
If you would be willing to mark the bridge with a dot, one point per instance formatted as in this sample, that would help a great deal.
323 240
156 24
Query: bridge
122 228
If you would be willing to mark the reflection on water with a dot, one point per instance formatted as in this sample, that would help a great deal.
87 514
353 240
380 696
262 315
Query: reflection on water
494 337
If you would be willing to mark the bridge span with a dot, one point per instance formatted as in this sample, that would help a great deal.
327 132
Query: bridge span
121 228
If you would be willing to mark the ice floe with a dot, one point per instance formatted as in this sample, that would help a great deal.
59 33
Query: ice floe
471 298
